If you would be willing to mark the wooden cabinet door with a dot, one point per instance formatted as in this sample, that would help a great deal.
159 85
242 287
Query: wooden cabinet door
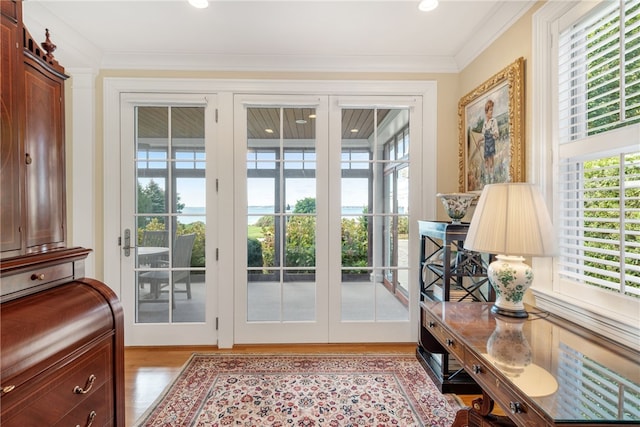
44 153
11 161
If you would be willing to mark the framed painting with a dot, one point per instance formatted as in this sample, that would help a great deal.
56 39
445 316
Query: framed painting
491 131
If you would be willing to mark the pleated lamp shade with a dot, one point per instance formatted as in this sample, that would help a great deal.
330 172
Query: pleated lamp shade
511 219
512 222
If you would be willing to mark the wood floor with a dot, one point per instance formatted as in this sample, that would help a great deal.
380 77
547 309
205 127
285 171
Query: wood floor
148 370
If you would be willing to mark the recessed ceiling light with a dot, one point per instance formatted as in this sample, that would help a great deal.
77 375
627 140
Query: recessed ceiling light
354 130
301 121
267 130
200 4
427 5
312 116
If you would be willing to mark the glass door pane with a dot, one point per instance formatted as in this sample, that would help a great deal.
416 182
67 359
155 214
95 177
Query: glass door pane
170 214
374 207
281 214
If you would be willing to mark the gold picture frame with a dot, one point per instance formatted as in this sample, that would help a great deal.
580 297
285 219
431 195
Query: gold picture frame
492 150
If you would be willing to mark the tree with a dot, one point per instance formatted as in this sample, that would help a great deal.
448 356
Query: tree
306 205
151 199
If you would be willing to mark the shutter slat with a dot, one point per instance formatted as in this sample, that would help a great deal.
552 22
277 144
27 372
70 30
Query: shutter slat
598 177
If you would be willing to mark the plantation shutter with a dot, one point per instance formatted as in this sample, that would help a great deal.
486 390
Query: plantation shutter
598 175
583 380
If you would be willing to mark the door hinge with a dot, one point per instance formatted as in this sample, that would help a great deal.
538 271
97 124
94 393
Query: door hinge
217 323
217 185
119 241
217 254
216 115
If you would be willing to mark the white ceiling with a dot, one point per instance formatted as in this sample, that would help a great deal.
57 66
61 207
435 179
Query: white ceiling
268 35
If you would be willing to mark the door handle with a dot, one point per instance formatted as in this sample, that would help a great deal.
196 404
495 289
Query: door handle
127 243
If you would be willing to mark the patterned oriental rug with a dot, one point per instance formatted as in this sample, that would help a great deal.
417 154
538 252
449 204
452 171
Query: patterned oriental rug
302 390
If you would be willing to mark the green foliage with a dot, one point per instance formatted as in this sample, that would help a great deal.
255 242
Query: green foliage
602 207
606 87
152 200
198 228
403 225
612 80
355 242
254 253
268 240
265 221
300 245
306 205
156 224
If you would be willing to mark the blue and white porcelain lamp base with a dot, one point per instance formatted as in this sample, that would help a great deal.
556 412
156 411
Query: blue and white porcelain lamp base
510 278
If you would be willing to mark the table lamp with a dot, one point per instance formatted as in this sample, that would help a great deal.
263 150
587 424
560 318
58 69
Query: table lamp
511 220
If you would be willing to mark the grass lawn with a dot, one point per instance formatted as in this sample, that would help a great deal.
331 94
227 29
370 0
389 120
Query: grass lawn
254 232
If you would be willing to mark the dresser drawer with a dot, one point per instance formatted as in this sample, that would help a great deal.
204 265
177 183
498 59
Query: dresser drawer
63 389
520 412
96 410
39 277
451 345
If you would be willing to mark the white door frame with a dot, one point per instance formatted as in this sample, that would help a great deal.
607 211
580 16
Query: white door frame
113 87
375 331
191 333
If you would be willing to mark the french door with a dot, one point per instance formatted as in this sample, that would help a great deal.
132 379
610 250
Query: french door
166 159
323 194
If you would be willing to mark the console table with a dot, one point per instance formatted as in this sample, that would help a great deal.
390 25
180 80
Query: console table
543 371
457 274
448 272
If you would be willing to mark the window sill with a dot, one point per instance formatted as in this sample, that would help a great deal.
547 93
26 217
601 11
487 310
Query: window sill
627 334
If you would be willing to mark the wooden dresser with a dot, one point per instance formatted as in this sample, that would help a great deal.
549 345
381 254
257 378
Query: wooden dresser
61 334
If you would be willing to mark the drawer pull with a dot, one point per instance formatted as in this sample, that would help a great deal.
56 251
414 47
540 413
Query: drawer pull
36 276
516 408
476 369
8 388
79 390
449 342
92 416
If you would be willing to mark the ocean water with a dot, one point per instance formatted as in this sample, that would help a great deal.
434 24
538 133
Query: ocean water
257 212
192 214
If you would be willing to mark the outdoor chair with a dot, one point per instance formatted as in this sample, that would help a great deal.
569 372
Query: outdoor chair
159 280
158 238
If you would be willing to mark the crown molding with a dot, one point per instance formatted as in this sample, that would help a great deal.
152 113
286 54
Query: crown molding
75 51
297 63
502 17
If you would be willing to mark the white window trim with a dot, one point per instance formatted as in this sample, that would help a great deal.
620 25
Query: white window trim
614 316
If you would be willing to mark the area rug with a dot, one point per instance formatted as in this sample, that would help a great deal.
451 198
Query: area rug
301 390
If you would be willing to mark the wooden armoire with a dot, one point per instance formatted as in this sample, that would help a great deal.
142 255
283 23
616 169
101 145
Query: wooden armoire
61 334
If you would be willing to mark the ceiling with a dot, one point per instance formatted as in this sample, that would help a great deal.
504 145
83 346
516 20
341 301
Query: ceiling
262 123
268 35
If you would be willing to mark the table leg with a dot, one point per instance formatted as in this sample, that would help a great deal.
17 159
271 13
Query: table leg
479 415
